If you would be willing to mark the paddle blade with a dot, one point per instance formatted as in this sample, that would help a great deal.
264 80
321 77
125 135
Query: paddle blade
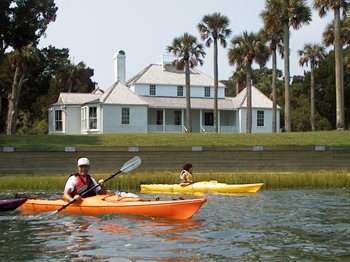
52 213
131 164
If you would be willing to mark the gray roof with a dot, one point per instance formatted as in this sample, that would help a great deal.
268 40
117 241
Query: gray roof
259 100
180 103
118 93
76 98
167 75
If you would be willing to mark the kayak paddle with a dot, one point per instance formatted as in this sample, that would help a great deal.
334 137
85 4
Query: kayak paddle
127 167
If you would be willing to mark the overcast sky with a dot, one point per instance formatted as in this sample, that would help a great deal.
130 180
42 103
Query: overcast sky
94 30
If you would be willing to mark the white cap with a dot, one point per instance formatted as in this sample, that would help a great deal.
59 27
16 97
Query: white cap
83 161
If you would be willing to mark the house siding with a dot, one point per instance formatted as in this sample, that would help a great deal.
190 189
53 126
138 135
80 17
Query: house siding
113 123
171 91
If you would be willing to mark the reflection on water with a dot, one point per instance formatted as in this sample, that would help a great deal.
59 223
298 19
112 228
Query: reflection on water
286 225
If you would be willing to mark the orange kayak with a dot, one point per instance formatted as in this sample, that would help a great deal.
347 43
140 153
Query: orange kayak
111 204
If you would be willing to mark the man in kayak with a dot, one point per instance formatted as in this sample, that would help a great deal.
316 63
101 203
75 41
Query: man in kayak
186 175
80 182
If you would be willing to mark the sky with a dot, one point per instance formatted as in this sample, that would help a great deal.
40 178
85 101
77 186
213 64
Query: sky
94 31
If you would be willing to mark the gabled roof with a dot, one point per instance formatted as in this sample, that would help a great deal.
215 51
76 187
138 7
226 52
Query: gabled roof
156 74
76 98
259 100
118 93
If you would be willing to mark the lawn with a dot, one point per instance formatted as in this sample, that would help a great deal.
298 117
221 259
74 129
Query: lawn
324 138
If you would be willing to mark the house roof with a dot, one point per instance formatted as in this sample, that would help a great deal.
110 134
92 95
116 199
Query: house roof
259 100
76 98
157 74
118 93
180 103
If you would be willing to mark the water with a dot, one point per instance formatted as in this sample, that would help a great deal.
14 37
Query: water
283 225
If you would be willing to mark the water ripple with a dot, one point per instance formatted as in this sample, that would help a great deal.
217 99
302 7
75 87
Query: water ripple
281 225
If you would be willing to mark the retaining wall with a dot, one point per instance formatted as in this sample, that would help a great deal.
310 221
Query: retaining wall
205 159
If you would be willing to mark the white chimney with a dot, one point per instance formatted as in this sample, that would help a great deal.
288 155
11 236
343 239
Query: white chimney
119 67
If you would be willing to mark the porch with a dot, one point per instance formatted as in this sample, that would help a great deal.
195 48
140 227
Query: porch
173 121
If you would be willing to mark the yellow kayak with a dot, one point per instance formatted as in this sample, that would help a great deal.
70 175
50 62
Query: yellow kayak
202 187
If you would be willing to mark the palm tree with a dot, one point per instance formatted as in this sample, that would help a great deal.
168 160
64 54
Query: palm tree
328 33
288 13
188 53
239 78
246 49
336 5
213 28
273 35
313 54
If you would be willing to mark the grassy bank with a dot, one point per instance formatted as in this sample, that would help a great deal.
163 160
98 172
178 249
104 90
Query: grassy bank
131 182
326 138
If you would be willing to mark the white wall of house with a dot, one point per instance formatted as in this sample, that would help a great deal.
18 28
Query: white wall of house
112 115
199 91
70 120
73 121
267 128
171 91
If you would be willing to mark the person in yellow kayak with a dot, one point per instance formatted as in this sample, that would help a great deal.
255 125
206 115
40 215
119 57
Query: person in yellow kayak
80 182
186 175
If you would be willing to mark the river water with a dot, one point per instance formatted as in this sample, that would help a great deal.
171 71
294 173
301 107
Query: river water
272 225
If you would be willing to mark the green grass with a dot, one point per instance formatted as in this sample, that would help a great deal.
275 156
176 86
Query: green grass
326 138
131 182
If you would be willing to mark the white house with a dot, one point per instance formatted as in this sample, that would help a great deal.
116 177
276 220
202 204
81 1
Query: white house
153 101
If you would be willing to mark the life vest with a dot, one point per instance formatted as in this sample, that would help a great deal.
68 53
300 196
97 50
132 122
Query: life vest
84 183
185 175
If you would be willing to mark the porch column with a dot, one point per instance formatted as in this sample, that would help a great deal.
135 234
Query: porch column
182 120
219 124
200 121
163 120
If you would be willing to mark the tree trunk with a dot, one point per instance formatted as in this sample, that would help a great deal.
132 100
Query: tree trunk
216 83
188 99
237 88
340 116
312 100
274 91
287 108
249 99
11 122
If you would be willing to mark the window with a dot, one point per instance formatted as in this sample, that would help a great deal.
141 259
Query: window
180 91
177 118
207 91
260 118
93 118
208 119
159 117
84 118
125 115
58 120
152 90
